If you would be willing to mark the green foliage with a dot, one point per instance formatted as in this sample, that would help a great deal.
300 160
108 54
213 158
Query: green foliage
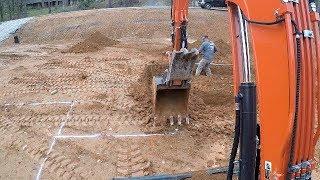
86 4
43 11
12 9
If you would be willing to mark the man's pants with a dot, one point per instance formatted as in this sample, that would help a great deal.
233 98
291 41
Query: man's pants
204 65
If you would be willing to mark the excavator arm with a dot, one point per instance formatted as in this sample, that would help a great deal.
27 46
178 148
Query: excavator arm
171 89
179 14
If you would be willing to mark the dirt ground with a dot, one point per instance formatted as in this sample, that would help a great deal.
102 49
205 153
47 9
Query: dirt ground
75 98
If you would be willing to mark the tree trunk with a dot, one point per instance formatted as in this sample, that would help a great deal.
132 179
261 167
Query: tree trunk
10 9
1 11
14 10
64 2
49 6
19 10
24 8
110 4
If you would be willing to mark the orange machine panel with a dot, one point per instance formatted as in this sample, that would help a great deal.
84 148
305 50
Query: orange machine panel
275 52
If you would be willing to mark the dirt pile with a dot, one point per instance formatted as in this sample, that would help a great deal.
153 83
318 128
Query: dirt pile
94 42
142 91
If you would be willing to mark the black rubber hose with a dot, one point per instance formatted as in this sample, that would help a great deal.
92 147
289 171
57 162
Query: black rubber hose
295 121
278 21
236 140
184 35
258 158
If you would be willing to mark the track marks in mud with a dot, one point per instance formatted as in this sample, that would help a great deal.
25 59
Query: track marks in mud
82 65
88 75
51 80
19 133
117 59
131 161
17 138
62 166
88 122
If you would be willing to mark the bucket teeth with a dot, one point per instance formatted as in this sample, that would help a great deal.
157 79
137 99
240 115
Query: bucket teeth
187 120
171 120
178 120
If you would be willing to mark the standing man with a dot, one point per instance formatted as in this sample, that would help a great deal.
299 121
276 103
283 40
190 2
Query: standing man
207 49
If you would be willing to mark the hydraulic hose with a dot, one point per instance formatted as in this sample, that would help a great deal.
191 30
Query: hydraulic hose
236 140
295 120
184 40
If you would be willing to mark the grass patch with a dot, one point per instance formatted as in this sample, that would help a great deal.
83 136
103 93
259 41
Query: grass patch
44 11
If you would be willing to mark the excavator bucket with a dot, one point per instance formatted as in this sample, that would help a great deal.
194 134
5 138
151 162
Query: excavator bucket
171 89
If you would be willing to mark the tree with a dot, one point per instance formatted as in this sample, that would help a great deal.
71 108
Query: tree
20 8
85 4
10 9
24 8
1 11
15 9
110 4
49 6
64 2
57 3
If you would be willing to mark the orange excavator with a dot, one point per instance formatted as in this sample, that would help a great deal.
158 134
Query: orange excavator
284 38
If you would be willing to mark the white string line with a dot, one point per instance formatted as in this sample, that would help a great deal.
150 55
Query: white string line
54 139
139 135
129 135
90 136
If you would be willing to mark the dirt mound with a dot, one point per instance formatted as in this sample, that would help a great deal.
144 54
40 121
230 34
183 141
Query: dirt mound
142 91
94 42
